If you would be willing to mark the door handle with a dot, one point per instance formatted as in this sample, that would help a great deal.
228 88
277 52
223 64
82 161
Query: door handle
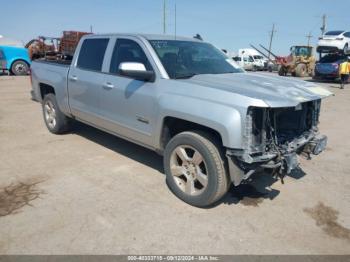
73 78
108 86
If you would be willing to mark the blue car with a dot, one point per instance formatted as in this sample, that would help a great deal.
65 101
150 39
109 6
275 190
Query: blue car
328 66
14 60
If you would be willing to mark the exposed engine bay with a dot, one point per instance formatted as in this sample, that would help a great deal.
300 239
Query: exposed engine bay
273 137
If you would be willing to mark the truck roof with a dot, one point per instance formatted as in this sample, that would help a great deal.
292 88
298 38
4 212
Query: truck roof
146 36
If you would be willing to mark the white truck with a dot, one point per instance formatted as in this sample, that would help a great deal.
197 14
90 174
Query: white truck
257 60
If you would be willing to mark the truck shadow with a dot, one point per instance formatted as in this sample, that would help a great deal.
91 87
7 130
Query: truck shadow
121 146
257 189
252 193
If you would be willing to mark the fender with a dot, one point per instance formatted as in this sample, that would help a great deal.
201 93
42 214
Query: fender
227 121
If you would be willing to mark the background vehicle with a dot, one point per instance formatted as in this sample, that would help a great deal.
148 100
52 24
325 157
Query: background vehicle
213 122
14 60
300 62
258 60
54 48
328 66
43 47
246 62
334 41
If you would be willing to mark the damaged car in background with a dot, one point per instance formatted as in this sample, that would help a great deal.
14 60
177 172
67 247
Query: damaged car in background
214 123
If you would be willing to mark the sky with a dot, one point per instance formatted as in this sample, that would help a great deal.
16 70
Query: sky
228 24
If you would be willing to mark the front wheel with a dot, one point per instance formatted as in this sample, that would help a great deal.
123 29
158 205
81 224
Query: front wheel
346 49
195 168
282 71
19 68
300 70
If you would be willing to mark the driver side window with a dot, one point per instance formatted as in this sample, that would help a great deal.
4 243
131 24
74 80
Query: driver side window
126 50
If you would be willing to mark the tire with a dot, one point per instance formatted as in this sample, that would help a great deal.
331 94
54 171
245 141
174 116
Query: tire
200 189
300 70
346 49
56 122
19 68
312 73
281 71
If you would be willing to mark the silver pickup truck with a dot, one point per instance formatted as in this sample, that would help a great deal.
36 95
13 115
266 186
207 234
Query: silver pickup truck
214 123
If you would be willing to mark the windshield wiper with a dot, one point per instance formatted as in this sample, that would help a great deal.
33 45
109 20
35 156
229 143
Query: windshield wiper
185 76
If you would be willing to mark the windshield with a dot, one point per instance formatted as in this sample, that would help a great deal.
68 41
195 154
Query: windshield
334 32
184 59
302 51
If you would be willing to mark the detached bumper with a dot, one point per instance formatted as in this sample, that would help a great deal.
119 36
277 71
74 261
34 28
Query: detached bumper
242 166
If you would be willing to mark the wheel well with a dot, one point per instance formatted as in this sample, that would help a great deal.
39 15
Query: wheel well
46 89
173 126
17 61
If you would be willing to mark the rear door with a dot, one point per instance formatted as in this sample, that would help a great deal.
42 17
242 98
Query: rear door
85 79
128 106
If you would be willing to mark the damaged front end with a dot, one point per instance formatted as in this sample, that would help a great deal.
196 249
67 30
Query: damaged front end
273 137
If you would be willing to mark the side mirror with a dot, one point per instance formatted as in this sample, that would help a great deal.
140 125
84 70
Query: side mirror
136 71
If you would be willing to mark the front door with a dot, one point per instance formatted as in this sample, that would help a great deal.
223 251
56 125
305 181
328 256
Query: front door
128 106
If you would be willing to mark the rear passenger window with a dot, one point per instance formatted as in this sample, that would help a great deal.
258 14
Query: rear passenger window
92 53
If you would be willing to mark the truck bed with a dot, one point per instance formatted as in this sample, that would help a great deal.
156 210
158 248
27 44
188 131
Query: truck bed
52 73
59 62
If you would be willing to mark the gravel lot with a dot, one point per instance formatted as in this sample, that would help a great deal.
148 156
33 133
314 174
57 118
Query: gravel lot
88 192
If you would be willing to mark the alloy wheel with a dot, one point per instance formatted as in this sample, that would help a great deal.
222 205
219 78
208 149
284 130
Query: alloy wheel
189 170
50 114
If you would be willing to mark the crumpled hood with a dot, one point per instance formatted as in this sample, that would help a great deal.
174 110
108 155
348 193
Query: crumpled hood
275 91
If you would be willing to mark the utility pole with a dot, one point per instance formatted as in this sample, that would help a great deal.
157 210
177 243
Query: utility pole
91 29
271 37
164 16
324 22
309 36
175 21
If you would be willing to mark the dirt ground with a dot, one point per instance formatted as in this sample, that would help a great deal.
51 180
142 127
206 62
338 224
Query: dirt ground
88 192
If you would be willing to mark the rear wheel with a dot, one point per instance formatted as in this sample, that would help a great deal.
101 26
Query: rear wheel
195 168
282 71
55 120
300 70
19 68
